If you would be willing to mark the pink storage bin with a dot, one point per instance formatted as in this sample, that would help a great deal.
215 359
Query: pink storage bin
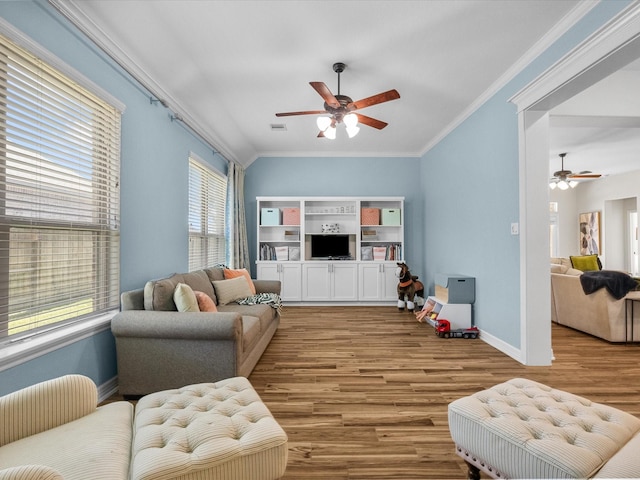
370 216
291 216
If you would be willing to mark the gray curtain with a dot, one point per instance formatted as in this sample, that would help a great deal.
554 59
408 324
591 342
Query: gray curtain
237 246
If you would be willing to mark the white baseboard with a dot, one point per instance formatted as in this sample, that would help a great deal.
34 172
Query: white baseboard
107 389
505 348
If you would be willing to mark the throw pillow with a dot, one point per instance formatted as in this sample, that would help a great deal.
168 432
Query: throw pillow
228 291
242 272
185 299
585 263
205 302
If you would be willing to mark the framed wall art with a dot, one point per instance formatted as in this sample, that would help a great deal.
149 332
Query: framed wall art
589 233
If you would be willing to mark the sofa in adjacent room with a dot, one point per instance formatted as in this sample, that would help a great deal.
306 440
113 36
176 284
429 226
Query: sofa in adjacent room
164 341
598 313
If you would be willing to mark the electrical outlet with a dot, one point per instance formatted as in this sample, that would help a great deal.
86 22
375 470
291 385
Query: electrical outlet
515 229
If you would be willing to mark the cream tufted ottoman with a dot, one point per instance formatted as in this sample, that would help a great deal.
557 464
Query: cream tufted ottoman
524 429
207 431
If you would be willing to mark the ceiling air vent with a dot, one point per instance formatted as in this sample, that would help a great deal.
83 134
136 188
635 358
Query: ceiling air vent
278 127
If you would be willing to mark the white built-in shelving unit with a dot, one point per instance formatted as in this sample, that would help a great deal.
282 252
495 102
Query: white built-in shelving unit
296 236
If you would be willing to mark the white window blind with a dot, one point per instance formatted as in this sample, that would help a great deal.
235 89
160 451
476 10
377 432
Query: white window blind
207 194
59 198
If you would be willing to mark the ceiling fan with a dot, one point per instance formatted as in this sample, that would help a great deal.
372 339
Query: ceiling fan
341 108
564 179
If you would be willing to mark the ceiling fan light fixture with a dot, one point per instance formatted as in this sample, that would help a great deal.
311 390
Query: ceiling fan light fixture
350 120
352 131
323 123
330 133
563 185
553 185
573 183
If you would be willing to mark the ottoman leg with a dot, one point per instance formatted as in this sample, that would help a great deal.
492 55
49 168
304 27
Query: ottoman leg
473 472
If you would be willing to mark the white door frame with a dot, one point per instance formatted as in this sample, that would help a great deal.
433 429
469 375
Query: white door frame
613 46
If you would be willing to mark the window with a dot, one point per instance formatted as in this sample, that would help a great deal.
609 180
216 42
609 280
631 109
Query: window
207 193
59 200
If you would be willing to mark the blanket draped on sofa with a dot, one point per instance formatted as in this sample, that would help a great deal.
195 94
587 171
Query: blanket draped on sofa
617 283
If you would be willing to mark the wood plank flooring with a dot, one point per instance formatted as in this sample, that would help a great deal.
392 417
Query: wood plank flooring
362 392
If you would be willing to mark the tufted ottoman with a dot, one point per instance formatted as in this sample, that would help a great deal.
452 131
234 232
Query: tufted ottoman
207 431
524 429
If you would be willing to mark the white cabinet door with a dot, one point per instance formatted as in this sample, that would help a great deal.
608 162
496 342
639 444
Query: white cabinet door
377 282
344 281
316 281
370 287
389 282
329 281
289 276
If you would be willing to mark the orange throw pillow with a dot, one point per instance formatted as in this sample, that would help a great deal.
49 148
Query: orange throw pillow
242 272
205 302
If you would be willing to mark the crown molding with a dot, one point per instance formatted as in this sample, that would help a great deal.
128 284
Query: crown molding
559 29
611 47
70 10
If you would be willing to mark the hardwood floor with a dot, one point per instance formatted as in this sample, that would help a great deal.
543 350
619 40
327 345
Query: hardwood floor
362 392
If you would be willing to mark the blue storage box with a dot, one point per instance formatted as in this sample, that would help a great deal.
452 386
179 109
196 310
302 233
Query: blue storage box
270 216
455 288
390 216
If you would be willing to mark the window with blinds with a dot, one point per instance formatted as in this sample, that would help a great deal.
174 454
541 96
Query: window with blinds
207 194
59 200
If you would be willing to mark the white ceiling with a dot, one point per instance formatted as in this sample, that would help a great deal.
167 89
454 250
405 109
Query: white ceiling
227 67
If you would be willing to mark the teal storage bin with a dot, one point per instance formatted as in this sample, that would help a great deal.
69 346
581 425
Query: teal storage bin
270 216
390 216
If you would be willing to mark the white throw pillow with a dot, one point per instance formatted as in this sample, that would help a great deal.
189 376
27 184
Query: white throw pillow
228 291
185 299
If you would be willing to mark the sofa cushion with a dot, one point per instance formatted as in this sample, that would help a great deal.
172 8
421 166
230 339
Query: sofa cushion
242 272
265 313
96 446
586 263
559 268
158 294
185 299
228 291
205 302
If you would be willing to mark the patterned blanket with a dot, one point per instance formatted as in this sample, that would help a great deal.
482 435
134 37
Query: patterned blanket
271 299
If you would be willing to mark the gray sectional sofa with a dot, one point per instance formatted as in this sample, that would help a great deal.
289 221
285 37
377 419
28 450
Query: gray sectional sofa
159 347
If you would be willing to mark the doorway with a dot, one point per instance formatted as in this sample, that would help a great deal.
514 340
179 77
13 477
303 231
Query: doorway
614 47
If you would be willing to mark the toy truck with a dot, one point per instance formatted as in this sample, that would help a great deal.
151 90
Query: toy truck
443 330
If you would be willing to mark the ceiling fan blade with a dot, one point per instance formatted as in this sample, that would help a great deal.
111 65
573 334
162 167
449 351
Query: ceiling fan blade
321 134
374 100
310 112
372 122
326 94
585 175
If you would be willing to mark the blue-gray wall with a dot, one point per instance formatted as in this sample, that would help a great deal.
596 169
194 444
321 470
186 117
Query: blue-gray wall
476 194
338 176
154 186
460 198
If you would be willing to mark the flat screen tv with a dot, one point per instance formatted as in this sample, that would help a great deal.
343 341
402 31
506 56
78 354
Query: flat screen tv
329 246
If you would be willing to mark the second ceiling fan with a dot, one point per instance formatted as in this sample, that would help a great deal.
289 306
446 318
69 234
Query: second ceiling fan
564 179
341 108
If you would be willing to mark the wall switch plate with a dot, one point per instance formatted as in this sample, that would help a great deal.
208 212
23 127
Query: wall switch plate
515 229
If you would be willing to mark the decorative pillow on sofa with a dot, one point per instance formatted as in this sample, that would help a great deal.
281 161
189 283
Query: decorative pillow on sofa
228 291
241 272
586 263
205 302
158 294
185 299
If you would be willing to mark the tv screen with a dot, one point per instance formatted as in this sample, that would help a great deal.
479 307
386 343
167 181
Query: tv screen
325 246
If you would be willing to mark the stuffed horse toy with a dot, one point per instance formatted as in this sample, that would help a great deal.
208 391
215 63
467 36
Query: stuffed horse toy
408 287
